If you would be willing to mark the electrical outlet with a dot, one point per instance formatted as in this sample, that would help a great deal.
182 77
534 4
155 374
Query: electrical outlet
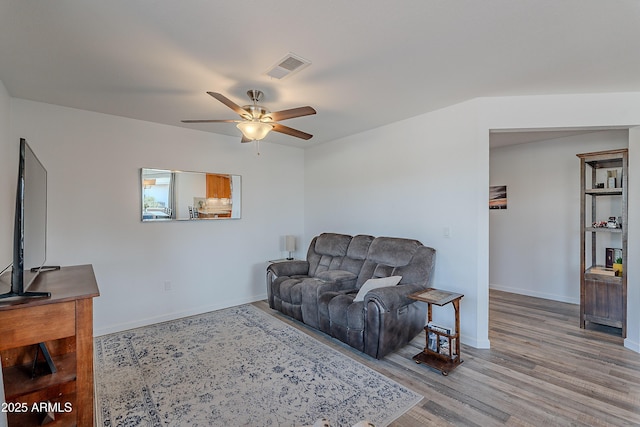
167 285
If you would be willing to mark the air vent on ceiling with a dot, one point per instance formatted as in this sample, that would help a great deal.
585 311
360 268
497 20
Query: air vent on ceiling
287 66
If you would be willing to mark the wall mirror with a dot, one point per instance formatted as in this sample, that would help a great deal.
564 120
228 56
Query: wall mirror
177 195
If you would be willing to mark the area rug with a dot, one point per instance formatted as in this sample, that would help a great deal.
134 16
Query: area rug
236 367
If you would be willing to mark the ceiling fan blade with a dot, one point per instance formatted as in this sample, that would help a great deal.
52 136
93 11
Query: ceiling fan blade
211 121
229 103
277 127
292 113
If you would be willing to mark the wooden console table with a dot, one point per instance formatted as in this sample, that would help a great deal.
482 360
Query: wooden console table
432 356
64 322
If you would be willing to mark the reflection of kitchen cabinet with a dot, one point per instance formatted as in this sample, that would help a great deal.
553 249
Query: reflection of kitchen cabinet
218 186
603 295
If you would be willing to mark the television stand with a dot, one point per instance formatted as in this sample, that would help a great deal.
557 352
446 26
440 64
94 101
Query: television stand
45 268
29 294
42 348
25 295
64 323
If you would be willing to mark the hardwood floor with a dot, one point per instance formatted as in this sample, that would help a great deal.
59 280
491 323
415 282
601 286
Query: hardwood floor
541 370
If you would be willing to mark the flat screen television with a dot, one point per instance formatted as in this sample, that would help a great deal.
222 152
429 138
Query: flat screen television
30 226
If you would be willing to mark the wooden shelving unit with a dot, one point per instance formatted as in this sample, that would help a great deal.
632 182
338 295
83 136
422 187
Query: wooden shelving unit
603 297
64 323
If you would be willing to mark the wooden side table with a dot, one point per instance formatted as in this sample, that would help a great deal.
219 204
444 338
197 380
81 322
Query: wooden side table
443 361
65 323
273 261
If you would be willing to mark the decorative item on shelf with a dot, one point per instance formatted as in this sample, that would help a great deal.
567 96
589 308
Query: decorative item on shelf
611 178
617 266
609 257
611 254
612 222
599 185
604 271
290 245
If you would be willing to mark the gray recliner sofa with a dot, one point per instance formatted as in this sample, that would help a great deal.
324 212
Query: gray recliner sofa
321 291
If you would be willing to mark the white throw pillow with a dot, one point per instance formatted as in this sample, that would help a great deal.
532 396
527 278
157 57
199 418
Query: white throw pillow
376 283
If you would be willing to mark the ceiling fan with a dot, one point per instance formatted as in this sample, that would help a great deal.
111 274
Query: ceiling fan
257 121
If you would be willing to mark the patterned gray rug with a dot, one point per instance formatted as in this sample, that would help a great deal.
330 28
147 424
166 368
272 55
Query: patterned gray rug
236 367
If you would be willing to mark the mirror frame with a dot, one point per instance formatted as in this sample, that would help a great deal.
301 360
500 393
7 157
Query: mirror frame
185 196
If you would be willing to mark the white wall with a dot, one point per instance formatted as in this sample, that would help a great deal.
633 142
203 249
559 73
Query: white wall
579 111
633 269
409 179
93 162
534 244
8 178
416 177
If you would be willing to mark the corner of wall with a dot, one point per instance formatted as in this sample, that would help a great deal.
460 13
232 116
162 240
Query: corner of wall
633 246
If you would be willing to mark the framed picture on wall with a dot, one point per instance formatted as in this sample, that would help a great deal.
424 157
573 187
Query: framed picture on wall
498 197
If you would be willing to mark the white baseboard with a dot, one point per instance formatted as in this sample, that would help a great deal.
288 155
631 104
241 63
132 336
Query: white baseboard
530 293
175 315
632 345
472 342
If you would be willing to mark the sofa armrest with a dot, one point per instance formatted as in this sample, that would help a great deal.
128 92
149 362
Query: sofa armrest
289 268
392 318
391 298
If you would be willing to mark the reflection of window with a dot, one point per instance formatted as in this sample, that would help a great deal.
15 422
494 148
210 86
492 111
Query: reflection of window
158 194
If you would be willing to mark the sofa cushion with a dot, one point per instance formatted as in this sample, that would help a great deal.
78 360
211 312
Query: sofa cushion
291 291
332 244
420 267
392 251
336 276
359 247
356 254
376 283
326 252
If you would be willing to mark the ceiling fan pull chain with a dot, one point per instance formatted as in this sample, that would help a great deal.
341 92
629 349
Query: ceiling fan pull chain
258 147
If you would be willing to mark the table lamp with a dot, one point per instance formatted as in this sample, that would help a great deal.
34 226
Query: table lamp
290 245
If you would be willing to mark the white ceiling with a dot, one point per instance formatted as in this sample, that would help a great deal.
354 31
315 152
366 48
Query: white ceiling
373 61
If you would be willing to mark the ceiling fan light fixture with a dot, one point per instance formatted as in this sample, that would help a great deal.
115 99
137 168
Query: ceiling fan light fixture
254 130
257 121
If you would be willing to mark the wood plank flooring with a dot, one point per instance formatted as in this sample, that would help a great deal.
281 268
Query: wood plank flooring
541 370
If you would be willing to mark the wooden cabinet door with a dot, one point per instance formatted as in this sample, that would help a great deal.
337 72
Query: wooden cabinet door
603 301
212 186
218 187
